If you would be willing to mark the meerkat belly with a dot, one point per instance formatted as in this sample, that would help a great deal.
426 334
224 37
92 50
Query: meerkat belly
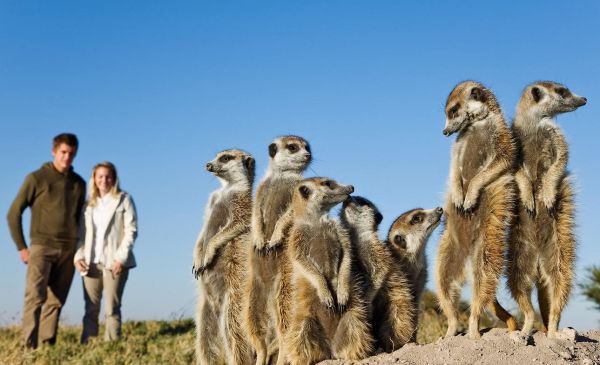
538 156
324 253
475 156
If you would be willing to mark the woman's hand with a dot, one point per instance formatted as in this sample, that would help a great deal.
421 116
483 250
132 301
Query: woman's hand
81 266
117 268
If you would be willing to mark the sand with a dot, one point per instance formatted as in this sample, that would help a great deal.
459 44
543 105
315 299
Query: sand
497 347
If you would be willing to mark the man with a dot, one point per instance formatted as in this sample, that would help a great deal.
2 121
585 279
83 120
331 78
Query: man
56 196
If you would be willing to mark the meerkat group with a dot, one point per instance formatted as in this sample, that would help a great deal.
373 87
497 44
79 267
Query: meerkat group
282 281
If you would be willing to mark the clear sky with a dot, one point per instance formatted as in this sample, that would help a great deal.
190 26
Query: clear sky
159 88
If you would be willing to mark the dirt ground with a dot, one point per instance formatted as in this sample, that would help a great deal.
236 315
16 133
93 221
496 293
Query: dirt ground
497 347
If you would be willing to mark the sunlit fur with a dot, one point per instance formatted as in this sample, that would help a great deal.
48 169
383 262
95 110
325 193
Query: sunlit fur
386 287
289 157
220 262
542 241
479 203
329 314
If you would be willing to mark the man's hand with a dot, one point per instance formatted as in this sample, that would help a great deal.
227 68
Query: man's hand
117 268
81 266
24 254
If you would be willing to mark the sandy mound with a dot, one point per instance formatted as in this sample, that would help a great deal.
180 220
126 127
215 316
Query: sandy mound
497 347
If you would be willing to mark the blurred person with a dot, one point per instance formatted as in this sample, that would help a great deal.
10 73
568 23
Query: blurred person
105 254
56 195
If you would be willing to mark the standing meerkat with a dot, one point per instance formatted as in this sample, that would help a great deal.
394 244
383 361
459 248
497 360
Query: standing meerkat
542 242
479 203
407 238
289 157
220 262
387 290
329 315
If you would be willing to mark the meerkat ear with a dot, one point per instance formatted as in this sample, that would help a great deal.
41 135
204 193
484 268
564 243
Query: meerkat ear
478 94
400 240
304 191
272 150
378 218
536 93
249 162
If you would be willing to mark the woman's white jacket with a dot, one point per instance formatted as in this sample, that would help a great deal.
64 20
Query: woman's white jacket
119 237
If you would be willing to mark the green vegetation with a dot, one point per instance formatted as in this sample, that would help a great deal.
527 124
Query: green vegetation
591 286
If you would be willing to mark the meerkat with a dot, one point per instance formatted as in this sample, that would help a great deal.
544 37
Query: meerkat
479 203
289 157
386 289
542 241
329 315
407 238
220 262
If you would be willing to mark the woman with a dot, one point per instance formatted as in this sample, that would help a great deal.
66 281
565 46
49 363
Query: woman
105 255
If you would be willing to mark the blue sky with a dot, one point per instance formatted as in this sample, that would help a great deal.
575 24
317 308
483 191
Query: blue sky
159 88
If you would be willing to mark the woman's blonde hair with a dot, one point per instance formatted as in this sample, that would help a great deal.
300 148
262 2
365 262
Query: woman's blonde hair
94 192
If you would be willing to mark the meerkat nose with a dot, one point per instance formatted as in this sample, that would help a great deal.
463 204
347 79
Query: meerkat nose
584 100
446 133
439 210
209 167
351 188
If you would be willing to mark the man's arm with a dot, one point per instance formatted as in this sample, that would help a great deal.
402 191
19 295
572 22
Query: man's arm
23 200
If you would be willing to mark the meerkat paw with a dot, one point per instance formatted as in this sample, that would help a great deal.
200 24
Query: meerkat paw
470 201
457 200
549 201
197 270
326 298
342 300
529 203
259 244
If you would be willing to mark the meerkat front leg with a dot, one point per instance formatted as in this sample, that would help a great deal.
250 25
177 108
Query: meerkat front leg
490 172
283 224
525 191
344 275
554 173
318 281
197 263
258 233
456 187
219 240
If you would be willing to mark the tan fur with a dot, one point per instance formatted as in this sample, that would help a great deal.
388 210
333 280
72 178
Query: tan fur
542 242
289 157
329 315
407 238
386 288
220 262
479 204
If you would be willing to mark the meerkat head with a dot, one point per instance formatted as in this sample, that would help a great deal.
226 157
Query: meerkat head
546 99
232 166
290 153
319 194
469 102
410 231
360 214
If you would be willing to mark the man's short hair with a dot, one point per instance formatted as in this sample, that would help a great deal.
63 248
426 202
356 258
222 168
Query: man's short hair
67 138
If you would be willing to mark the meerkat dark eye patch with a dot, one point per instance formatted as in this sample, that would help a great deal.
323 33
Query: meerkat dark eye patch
304 191
417 218
293 148
478 94
536 93
330 184
563 92
400 241
272 150
225 158
453 112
